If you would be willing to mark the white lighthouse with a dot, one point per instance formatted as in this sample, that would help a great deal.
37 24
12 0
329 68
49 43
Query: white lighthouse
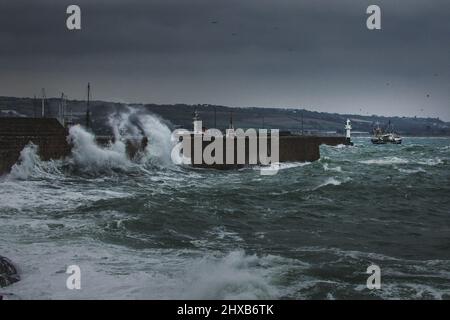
197 124
348 131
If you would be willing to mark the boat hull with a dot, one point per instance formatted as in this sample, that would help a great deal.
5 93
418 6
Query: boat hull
379 141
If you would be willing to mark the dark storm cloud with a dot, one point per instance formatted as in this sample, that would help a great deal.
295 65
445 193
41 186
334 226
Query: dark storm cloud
316 54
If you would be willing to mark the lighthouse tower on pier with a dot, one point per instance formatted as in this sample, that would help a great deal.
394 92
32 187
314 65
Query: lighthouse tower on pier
348 134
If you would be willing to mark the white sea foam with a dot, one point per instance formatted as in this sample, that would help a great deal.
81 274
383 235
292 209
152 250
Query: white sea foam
27 161
30 164
412 171
331 181
89 156
431 162
282 166
107 272
326 167
385 161
235 276
34 194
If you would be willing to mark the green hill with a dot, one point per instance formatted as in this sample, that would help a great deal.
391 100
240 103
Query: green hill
180 115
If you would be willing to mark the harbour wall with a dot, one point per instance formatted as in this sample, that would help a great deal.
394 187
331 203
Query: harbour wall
292 148
50 137
46 133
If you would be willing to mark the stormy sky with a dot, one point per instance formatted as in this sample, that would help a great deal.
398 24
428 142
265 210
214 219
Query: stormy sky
311 54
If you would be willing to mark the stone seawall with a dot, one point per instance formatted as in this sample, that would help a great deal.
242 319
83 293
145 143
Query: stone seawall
292 148
51 138
46 133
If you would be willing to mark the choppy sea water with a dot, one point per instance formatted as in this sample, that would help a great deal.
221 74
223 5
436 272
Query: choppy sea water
154 230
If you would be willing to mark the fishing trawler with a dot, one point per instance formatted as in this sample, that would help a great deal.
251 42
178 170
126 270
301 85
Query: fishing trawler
386 136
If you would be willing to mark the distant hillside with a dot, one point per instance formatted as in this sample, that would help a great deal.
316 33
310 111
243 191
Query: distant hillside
180 115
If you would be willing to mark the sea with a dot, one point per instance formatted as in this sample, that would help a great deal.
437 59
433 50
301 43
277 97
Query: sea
150 229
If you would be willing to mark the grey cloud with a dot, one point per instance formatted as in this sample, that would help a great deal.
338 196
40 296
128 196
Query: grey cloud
246 52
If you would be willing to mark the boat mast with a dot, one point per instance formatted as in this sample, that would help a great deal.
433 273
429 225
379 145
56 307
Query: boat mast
62 110
302 124
231 121
35 106
43 103
88 111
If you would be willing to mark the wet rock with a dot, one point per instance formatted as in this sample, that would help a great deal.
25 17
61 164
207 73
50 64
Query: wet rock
8 273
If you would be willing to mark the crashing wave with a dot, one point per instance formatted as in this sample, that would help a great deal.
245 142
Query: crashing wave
89 156
31 165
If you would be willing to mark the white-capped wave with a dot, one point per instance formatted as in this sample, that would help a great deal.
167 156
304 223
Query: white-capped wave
385 161
326 167
281 166
431 162
331 181
412 171
30 164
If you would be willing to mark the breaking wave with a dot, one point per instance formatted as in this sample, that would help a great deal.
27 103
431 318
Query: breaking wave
274 167
129 127
235 276
331 181
326 167
30 165
90 156
27 163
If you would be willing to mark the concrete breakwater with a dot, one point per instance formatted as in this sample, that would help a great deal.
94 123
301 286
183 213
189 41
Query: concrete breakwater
49 136
46 133
292 148
51 139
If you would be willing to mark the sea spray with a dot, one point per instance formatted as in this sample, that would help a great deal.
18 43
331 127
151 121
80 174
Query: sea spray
135 124
28 159
159 135
89 156
234 276
31 165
